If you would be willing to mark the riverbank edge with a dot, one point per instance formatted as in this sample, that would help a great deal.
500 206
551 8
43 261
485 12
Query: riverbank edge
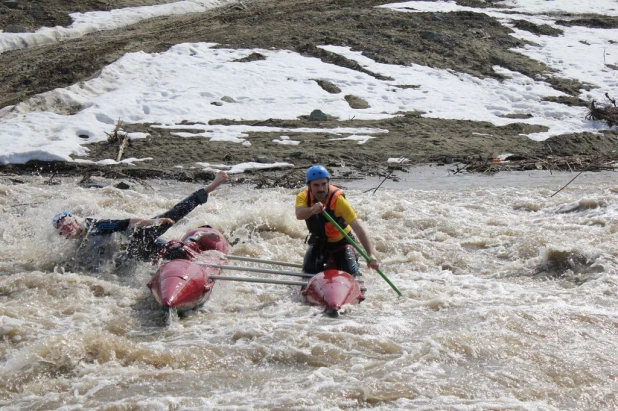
293 176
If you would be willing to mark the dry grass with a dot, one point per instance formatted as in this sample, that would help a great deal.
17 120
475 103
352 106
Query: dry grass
118 136
607 112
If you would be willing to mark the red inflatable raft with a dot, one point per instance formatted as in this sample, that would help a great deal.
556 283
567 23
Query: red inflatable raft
206 238
332 289
181 282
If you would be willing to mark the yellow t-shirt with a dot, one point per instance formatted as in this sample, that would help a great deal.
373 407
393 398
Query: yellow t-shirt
342 209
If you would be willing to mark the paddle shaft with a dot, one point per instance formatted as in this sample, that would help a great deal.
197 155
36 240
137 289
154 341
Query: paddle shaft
257 270
360 251
258 260
256 280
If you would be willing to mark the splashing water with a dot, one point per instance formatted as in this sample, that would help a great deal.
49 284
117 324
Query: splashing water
509 303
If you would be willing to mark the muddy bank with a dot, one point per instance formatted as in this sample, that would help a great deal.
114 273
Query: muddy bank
463 146
467 42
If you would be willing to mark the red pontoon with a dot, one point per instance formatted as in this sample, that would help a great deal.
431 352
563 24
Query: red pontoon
332 289
186 278
183 282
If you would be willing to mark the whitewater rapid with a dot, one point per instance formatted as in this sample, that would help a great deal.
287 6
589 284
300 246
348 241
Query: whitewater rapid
509 302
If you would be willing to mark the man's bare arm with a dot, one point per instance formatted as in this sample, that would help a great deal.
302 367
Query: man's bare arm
303 213
360 232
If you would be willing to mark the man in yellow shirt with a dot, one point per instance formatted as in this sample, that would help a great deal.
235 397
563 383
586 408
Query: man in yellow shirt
328 248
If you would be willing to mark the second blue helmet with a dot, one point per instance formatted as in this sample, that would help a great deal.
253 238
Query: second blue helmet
59 217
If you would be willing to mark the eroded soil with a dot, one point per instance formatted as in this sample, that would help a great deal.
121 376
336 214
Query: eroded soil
464 41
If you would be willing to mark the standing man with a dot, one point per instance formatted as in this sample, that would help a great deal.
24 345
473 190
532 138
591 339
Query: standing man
328 248
105 241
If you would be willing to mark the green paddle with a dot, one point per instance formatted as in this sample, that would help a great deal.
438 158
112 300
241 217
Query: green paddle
361 251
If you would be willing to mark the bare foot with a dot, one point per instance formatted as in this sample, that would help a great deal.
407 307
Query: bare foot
220 178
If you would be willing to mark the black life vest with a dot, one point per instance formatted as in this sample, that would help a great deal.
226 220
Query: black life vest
320 228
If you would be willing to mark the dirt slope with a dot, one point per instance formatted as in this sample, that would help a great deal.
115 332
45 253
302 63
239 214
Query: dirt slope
465 41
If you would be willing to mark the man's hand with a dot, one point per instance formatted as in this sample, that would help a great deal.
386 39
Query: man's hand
373 263
317 208
162 221
303 213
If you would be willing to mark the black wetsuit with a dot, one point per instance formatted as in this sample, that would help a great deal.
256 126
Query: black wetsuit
113 241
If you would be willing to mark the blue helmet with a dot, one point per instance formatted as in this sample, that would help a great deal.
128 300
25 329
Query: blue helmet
315 172
59 217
